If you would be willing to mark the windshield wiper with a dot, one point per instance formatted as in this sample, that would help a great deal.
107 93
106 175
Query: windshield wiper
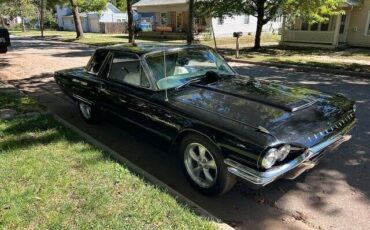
189 82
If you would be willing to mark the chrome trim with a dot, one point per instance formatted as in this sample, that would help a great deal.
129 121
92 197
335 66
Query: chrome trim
82 99
260 179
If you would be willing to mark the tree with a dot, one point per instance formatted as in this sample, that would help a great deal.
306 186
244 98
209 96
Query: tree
130 23
190 35
83 5
120 4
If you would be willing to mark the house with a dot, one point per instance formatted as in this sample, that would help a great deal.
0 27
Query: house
91 20
351 28
171 16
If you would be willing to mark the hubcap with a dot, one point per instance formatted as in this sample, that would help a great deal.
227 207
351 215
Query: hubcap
86 110
200 165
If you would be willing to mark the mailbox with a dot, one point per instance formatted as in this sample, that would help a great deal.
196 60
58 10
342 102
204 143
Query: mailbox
238 34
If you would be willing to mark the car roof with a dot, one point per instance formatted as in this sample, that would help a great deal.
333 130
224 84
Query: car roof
144 48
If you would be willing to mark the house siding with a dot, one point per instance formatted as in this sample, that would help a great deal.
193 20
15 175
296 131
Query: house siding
237 23
357 26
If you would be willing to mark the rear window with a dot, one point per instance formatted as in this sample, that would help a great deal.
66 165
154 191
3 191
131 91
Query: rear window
96 62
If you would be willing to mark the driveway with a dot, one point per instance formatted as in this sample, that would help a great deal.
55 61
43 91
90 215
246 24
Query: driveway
334 195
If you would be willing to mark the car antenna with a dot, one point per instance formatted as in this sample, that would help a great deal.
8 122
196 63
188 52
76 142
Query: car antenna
165 71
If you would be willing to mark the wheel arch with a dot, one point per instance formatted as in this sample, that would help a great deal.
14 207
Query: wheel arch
175 145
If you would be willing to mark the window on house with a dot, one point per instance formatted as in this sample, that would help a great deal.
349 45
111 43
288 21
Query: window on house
304 26
246 19
220 21
324 26
164 19
314 27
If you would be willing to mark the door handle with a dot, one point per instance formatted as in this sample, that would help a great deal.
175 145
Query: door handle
103 90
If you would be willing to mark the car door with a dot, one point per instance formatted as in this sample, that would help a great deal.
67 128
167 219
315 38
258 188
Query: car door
126 90
85 82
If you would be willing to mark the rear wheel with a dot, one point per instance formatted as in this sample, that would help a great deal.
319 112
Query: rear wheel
89 113
204 167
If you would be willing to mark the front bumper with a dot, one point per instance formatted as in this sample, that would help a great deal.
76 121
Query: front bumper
291 169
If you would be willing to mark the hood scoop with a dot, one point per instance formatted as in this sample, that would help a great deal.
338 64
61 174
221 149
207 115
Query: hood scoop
278 96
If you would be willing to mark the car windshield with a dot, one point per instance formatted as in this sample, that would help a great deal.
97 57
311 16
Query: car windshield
184 65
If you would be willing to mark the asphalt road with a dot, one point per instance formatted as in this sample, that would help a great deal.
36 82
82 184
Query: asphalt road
334 195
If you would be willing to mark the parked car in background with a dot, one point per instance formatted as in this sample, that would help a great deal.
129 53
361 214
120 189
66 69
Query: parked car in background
223 126
4 40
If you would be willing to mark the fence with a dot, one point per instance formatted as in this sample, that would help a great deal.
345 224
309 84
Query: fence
113 27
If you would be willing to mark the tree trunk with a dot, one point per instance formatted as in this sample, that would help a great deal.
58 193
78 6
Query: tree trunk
190 35
22 21
23 25
260 23
130 24
213 33
2 21
42 18
257 40
77 19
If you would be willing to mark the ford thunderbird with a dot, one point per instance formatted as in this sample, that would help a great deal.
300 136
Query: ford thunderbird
223 125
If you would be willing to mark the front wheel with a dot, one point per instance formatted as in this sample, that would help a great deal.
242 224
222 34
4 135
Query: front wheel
204 167
89 113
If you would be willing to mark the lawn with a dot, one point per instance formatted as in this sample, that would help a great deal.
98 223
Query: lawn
91 38
50 178
353 59
112 39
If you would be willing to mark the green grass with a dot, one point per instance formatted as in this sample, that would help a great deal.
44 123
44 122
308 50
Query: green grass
348 59
244 42
50 178
112 39
90 38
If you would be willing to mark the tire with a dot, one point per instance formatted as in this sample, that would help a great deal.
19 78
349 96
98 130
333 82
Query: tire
89 113
199 173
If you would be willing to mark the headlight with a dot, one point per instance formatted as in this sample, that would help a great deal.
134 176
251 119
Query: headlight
270 158
354 108
283 152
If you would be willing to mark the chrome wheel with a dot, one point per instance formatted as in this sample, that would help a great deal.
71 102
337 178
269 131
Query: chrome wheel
200 165
85 110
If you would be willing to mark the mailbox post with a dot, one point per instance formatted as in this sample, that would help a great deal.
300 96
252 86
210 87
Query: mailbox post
237 35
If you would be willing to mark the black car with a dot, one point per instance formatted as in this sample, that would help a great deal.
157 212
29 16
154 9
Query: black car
223 125
4 40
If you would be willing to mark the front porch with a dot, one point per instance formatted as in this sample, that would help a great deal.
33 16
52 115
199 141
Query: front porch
330 34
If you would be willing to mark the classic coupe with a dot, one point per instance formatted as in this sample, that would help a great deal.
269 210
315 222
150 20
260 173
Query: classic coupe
223 125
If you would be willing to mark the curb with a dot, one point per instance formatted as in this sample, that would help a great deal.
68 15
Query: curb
305 68
116 156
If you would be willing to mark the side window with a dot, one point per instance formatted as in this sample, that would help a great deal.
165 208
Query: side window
97 61
126 68
104 73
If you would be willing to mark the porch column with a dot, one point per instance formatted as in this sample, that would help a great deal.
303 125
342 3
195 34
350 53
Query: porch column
336 31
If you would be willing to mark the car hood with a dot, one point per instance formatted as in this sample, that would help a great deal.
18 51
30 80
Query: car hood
290 114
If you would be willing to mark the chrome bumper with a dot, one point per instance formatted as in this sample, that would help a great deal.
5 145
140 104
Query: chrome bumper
295 167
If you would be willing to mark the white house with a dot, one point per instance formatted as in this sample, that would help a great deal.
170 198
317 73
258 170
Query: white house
172 16
90 21
352 28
